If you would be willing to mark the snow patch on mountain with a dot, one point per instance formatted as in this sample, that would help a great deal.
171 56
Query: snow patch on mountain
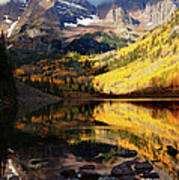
7 20
87 21
70 25
2 2
72 4
83 21
10 30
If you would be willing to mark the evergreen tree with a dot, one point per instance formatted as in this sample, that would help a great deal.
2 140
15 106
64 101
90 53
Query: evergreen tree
7 82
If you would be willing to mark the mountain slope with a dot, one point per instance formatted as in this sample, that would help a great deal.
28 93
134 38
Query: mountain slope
150 66
64 12
97 42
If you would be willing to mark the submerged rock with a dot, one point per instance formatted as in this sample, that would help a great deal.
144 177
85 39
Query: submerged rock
89 175
142 167
126 153
68 173
151 175
107 178
37 163
122 170
128 178
14 178
87 167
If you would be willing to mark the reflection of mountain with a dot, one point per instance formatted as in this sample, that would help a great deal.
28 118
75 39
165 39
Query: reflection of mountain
135 126
144 129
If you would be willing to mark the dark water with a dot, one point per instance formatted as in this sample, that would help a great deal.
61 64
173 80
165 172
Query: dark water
72 134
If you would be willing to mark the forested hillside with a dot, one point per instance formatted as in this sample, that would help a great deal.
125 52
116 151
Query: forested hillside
147 67
99 42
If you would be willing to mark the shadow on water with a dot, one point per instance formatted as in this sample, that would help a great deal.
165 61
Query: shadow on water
70 134
11 137
7 135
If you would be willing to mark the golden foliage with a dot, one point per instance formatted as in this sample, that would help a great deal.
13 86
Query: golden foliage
155 69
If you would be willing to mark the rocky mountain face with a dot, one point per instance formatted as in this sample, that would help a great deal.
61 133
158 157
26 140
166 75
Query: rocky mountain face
147 13
155 13
71 13
18 15
36 23
67 13
13 9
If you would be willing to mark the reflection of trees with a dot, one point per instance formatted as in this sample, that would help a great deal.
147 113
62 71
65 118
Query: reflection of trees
57 118
172 107
141 127
145 127
7 137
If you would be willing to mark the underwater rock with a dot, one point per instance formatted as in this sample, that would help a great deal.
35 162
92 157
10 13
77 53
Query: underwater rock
151 175
122 170
37 163
126 153
68 173
89 175
142 167
128 178
14 178
108 178
87 167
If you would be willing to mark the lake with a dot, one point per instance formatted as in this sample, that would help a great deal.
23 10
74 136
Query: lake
47 143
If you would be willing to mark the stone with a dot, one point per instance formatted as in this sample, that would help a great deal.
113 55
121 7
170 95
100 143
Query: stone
127 178
126 153
108 178
89 175
142 167
129 163
151 175
14 178
122 170
68 173
87 167
37 163
172 151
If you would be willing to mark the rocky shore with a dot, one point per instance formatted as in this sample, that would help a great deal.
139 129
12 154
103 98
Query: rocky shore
130 167
134 169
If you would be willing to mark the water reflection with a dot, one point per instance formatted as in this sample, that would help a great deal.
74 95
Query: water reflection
75 133
7 139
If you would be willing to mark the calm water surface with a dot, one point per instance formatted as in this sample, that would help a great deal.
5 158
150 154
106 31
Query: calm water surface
75 133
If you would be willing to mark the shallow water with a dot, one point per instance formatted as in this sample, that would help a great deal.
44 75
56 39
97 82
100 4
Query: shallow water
76 133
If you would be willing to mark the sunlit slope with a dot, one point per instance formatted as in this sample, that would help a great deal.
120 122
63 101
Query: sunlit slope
147 67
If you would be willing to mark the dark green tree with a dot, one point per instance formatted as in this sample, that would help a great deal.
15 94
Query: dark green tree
7 82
